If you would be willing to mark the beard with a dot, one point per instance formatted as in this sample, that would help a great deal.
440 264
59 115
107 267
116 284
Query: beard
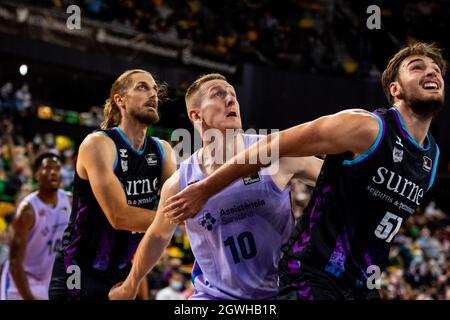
424 107
145 117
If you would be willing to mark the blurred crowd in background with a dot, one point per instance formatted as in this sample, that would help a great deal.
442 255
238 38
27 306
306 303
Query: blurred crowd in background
326 36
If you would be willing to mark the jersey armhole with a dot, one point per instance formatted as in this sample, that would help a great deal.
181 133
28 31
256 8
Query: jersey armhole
373 148
36 219
435 165
160 149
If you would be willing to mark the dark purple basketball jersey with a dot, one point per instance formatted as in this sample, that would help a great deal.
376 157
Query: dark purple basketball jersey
359 206
90 239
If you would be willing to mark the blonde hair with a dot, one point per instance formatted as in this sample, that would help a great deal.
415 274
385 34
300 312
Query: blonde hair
121 84
195 86
390 74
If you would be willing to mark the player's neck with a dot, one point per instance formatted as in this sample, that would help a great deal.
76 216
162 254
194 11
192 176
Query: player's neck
215 153
416 125
49 197
135 133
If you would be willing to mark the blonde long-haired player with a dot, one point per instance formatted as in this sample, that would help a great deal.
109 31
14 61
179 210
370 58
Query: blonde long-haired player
119 173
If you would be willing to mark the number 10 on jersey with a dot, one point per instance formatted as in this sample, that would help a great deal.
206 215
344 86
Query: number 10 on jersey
246 246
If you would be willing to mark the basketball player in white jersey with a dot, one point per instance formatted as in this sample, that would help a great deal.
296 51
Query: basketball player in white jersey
36 230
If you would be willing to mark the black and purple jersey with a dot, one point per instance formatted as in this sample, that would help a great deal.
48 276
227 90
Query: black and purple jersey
358 207
89 239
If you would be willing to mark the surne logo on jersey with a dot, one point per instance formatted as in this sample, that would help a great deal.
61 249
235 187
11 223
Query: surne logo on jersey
152 160
140 187
399 185
397 155
427 164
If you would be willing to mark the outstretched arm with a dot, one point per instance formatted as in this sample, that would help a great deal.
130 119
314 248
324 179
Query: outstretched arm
350 131
150 248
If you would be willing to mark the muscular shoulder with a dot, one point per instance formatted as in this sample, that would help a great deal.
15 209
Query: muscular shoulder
360 129
24 216
96 151
355 115
97 146
165 145
96 141
166 148
25 207
358 122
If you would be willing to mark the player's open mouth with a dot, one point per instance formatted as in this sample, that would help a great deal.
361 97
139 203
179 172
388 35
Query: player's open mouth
231 114
151 106
430 85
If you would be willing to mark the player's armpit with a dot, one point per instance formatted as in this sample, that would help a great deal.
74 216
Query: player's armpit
309 170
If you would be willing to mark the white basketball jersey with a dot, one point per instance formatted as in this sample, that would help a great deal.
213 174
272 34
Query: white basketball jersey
44 242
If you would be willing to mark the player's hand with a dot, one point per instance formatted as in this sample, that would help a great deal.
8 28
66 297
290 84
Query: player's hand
121 292
186 204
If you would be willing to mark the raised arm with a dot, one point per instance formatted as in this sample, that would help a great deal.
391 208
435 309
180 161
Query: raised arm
350 131
21 226
151 247
95 163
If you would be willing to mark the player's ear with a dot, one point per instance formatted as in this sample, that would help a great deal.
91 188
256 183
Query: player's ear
118 100
194 115
395 89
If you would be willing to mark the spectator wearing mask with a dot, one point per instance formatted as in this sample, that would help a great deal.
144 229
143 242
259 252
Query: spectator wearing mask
174 290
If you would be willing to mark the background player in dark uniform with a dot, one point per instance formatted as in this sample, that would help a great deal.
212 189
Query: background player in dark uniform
378 169
119 172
